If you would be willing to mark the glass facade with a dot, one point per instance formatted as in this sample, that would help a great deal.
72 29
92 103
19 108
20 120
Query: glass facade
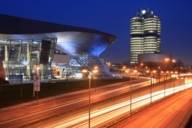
26 44
20 56
136 39
145 35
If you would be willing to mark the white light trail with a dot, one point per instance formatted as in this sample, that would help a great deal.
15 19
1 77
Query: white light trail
123 106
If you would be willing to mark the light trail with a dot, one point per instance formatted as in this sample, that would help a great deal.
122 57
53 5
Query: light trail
105 114
75 101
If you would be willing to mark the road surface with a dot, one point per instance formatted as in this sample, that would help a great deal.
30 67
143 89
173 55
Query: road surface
21 115
71 110
172 112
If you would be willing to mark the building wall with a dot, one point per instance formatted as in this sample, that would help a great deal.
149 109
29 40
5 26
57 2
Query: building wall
137 39
152 58
61 59
20 56
145 35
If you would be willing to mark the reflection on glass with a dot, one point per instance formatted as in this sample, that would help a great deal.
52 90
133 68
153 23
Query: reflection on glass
19 57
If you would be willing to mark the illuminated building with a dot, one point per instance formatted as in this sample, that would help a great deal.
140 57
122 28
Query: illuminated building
145 35
152 58
25 43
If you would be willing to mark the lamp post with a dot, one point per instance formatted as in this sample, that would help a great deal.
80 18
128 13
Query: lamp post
184 81
90 76
130 101
169 62
166 78
152 82
130 98
174 76
123 70
162 72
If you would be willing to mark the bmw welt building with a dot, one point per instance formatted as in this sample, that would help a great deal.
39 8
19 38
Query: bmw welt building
25 43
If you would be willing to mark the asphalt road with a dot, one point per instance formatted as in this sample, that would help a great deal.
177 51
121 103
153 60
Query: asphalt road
172 112
70 110
107 112
28 113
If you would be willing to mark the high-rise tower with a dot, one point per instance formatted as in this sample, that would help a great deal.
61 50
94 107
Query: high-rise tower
145 34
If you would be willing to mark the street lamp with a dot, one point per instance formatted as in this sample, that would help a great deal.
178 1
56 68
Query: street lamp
109 64
90 76
127 71
141 64
166 78
124 67
167 75
152 82
95 67
130 98
167 60
163 74
135 71
174 80
173 61
147 71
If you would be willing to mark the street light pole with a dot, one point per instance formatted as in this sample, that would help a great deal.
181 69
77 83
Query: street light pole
151 90
174 84
89 122
185 81
90 76
164 82
152 82
130 104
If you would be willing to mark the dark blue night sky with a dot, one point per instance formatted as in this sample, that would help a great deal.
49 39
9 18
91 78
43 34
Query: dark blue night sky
113 16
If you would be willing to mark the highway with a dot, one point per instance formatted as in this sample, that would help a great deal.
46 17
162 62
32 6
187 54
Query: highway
173 112
28 113
100 116
71 110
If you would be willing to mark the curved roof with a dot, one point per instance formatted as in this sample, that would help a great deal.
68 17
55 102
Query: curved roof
70 39
18 25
